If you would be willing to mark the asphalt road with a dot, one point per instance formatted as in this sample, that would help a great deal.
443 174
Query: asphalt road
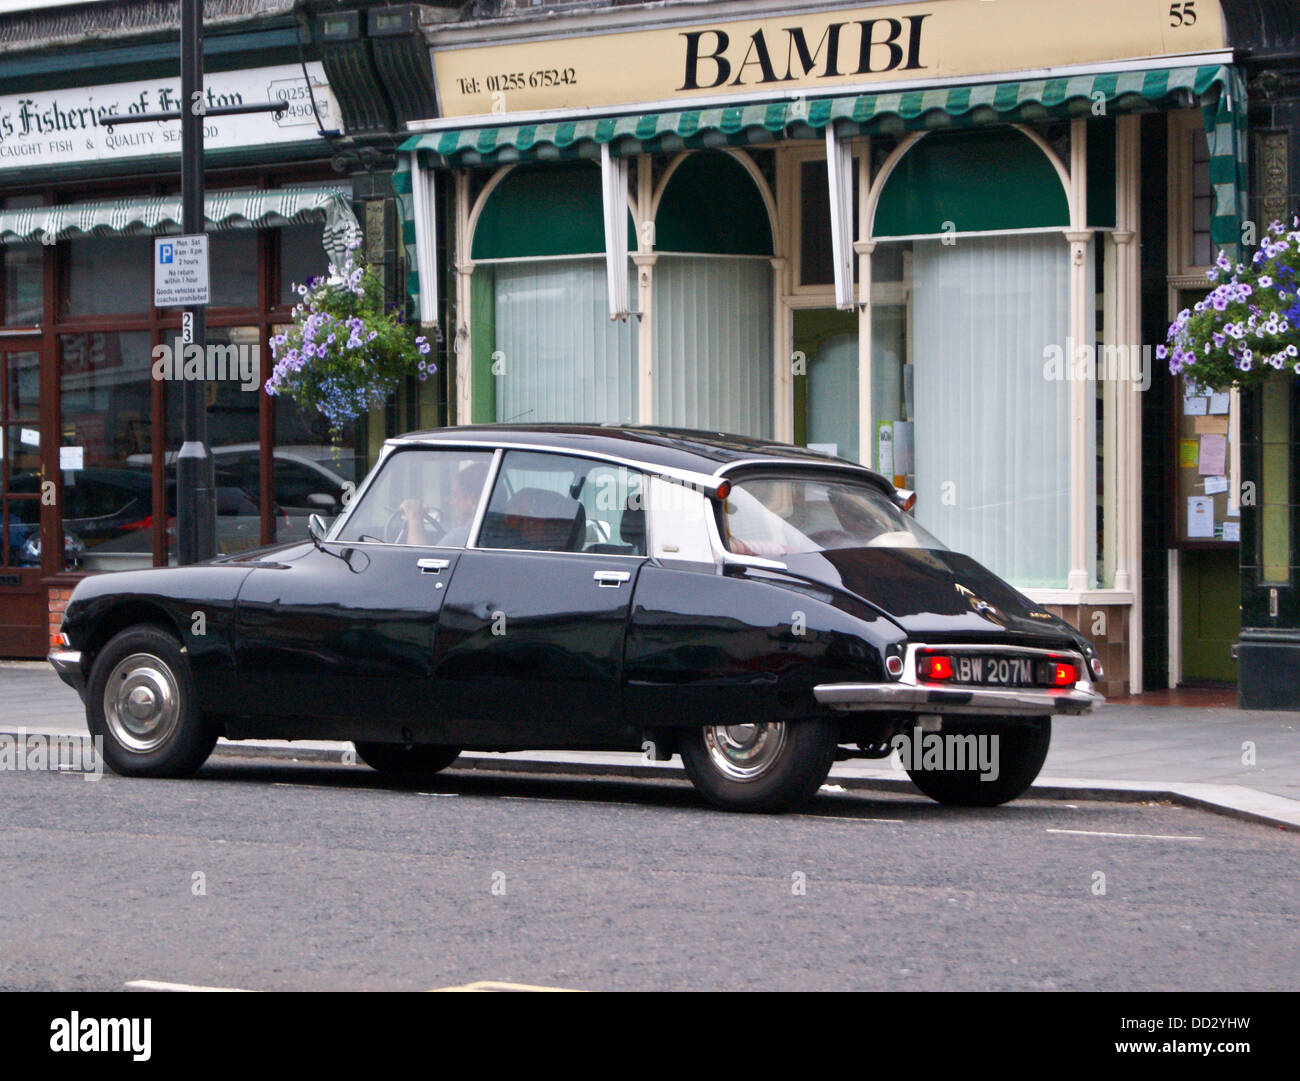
322 877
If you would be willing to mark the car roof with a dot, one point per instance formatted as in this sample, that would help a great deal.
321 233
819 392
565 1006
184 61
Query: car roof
663 448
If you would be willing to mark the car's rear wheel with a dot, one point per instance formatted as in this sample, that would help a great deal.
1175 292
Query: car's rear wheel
762 767
406 761
1018 749
141 700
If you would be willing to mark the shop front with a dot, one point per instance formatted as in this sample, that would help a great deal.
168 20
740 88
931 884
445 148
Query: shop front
89 395
909 235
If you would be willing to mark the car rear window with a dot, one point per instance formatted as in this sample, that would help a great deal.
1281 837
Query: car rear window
783 515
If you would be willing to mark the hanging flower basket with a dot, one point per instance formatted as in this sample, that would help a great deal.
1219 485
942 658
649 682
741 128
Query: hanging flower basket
347 351
1248 328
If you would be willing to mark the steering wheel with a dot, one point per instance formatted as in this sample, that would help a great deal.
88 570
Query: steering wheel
395 529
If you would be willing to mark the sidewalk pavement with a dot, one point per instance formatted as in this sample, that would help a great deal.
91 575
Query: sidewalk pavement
1189 755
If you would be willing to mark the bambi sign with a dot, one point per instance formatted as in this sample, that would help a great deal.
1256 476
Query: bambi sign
813 52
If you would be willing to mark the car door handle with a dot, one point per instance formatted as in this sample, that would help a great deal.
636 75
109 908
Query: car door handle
611 578
432 566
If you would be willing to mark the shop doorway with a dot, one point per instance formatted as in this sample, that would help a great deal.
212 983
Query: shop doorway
23 606
826 381
1211 611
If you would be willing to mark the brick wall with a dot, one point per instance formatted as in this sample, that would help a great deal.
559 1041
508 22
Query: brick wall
1111 642
58 602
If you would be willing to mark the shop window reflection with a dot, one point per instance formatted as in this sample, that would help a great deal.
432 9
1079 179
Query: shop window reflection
231 400
105 441
109 275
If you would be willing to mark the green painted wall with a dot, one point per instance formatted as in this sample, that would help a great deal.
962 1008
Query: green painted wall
975 180
482 308
712 206
544 210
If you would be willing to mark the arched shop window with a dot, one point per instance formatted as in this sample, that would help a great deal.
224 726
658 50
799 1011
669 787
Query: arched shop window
713 304
984 434
545 348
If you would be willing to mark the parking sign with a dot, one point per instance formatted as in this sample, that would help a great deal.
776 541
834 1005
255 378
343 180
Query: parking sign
180 271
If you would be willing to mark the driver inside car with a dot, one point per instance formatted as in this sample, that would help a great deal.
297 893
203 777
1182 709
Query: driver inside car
465 492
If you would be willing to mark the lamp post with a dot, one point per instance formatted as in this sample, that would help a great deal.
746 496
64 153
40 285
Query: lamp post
196 524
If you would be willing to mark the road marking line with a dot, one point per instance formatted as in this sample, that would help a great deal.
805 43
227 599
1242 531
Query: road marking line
500 985
851 818
164 985
1139 836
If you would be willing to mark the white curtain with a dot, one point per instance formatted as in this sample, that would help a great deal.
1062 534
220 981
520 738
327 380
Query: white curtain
992 432
713 343
561 357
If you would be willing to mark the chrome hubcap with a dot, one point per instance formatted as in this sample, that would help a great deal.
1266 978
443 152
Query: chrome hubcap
141 702
744 752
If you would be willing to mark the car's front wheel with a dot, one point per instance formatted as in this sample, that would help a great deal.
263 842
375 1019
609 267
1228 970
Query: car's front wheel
407 762
761 767
1008 761
141 700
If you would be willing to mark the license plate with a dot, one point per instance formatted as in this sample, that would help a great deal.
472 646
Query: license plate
994 670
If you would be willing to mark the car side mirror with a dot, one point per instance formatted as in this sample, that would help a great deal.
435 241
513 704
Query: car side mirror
316 527
905 500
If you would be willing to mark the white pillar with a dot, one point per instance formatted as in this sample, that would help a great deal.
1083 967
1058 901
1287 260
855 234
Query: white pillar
645 382
463 391
863 247
1081 333
1128 286
782 353
645 259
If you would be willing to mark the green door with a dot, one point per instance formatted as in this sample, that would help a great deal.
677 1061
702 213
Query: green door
1211 595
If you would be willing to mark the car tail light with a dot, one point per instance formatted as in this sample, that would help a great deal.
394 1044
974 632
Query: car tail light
1063 674
934 667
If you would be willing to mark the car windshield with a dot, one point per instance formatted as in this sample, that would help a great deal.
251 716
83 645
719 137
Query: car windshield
779 516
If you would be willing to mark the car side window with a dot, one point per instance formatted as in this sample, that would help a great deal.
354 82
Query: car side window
559 503
421 497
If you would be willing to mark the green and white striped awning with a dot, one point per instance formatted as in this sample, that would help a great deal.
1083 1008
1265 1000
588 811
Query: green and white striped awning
1218 90
907 110
146 215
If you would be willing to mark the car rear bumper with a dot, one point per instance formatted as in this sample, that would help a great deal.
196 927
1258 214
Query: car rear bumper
909 698
67 662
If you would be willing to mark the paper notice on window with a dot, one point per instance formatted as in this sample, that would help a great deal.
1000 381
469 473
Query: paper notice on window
30 437
1195 407
72 457
1219 402
1200 517
1232 531
1215 485
1187 449
1210 425
885 448
1214 455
